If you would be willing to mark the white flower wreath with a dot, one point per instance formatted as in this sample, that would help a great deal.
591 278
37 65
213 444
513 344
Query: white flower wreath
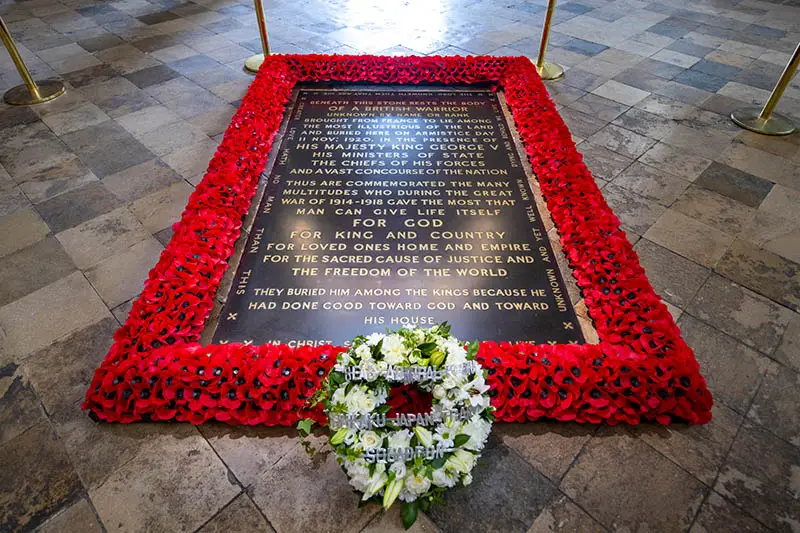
411 456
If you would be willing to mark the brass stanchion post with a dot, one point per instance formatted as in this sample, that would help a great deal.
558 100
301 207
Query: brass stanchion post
547 71
253 63
764 120
31 92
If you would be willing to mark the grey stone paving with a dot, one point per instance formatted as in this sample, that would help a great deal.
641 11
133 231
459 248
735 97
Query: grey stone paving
91 183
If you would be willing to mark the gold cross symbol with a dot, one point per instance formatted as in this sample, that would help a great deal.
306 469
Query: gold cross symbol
233 316
553 343
573 342
225 341
248 342
568 325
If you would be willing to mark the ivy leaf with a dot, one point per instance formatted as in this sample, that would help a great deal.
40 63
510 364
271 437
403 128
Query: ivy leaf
304 426
383 409
444 329
438 463
461 440
472 349
337 377
409 513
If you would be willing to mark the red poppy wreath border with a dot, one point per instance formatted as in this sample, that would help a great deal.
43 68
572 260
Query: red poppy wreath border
157 370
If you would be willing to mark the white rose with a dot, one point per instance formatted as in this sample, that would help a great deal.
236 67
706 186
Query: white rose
467 479
370 439
400 439
417 484
442 478
399 469
461 461
364 353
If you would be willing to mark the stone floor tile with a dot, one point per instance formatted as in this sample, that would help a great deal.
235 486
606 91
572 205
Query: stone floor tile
788 352
173 53
733 371
666 107
625 484
700 450
215 121
733 183
77 119
126 59
777 404
690 238
38 457
701 80
172 484
146 120
510 492
644 123
77 518
620 92
599 107
193 159
36 320
101 237
745 93
102 42
635 212
760 476
622 141
774 233
32 268
163 208
717 69
32 153
743 314
17 116
391 522
76 206
118 97
155 43
76 356
786 147
720 212
249 451
763 272
651 183
675 58
602 162
171 137
683 93
21 229
141 180
120 277
701 143
762 164
562 516
20 408
240 516
718 514
151 76
580 79
301 493
107 148
549 447
640 79
674 278
562 95
675 161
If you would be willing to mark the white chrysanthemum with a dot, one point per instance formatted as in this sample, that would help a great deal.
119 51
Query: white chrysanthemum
393 349
359 401
417 484
358 471
478 430
374 338
445 435
400 439
418 335
467 479
364 353
456 354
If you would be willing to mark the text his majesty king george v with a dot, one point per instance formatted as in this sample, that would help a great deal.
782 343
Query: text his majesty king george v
386 209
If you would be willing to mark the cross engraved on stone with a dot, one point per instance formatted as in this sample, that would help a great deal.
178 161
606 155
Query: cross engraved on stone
233 316
569 325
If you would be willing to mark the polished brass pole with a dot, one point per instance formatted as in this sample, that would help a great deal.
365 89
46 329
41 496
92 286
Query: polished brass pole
30 92
546 70
253 63
765 121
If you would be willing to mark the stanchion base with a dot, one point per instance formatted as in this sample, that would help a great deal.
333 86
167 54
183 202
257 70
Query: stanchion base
749 119
48 90
253 63
550 71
